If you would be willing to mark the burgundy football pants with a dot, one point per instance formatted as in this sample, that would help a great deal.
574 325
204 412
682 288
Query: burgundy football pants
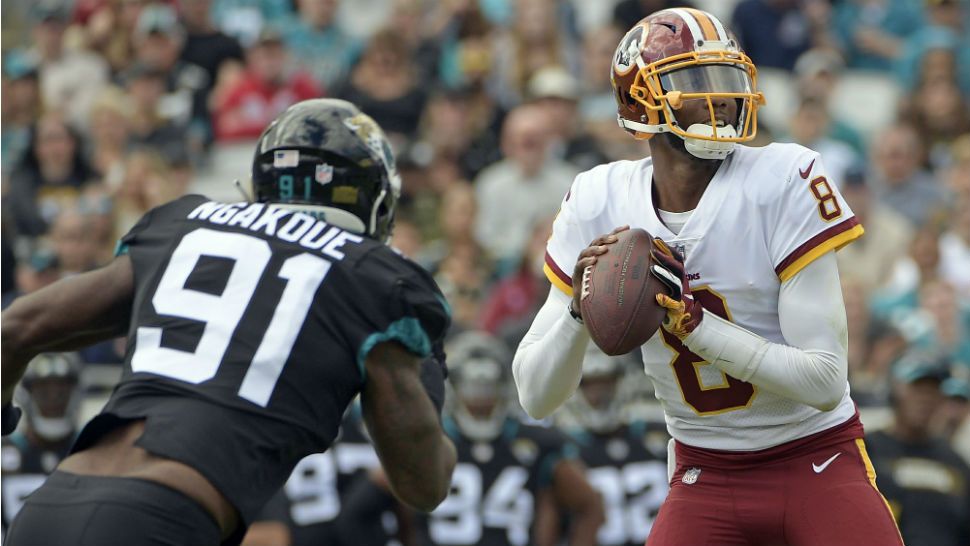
815 491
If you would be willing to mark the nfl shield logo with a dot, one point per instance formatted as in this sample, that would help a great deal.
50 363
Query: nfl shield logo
324 174
690 477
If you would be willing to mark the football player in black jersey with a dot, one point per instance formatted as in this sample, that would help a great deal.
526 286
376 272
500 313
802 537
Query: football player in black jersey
625 460
514 483
50 396
251 327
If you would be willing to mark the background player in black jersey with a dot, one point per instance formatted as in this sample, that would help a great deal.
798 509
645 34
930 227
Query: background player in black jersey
926 483
514 483
251 327
50 396
625 459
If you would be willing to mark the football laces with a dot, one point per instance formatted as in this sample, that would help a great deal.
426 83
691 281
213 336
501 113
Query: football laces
584 289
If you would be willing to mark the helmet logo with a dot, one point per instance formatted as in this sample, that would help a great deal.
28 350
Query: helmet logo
629 49
323 174
370 134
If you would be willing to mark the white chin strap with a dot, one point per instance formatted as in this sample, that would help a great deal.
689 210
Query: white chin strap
697 147
710 149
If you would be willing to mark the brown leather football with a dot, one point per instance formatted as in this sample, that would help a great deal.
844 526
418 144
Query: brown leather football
618 298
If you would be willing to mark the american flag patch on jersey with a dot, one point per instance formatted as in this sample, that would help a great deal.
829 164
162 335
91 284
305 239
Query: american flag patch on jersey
286 158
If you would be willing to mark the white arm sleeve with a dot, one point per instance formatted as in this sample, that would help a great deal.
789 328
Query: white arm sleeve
548 364
813 369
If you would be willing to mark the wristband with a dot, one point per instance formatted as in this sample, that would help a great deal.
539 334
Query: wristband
576 316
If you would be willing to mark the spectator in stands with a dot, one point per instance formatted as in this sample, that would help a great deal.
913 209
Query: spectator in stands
48 176
940 114
159 40
460 264
319 45
926 483
205 45
955 249
554 90
512 303
244 19
21 106
149 126
110 133
109 28
899 180
40 269
262 92
534 41
148 182
940 48
810 126
870 260
774 32
955 415
75 241
867 375
818 72
384 84
69 79
626 13
871 33
596 103
525 186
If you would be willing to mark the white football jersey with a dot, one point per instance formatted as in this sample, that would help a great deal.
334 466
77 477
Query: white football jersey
766 214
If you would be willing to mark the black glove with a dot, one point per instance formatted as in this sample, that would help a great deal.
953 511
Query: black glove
11 416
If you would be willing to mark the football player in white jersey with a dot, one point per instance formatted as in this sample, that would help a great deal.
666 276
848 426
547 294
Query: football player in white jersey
750 365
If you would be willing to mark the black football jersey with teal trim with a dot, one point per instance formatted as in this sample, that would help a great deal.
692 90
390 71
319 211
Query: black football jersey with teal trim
249 330
628 467
495 485
927 485
25 467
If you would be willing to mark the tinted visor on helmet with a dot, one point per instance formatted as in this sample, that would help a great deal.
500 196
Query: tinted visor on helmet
707 78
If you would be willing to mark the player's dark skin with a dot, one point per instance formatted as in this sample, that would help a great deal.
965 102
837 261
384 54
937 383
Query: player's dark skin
679 178
96 306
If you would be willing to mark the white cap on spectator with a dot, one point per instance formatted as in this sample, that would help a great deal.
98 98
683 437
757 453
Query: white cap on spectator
553 82
158 18
815 61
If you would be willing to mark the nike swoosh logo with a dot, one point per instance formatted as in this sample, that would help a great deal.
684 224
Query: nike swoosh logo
818 468
807 171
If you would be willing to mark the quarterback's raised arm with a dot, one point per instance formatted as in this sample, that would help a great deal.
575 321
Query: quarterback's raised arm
67 315
403 422
812 368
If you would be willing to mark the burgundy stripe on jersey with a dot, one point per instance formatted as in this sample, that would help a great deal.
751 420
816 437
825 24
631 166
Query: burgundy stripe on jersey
812 243
557 271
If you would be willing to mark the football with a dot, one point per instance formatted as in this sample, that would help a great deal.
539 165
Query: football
618 298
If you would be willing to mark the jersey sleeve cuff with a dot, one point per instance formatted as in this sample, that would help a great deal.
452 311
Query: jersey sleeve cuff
557 276
406 331
832 238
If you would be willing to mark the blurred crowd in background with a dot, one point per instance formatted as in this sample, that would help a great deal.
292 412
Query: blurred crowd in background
111 107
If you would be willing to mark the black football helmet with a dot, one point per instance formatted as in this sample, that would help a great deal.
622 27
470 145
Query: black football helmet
327 158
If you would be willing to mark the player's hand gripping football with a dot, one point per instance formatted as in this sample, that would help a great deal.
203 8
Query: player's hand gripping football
684 313
587 258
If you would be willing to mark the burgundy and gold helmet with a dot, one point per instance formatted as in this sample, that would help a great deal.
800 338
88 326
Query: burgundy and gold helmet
681 54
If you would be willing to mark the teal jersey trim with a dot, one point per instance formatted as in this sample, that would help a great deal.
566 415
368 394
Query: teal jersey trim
407 331
121 248
444 303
